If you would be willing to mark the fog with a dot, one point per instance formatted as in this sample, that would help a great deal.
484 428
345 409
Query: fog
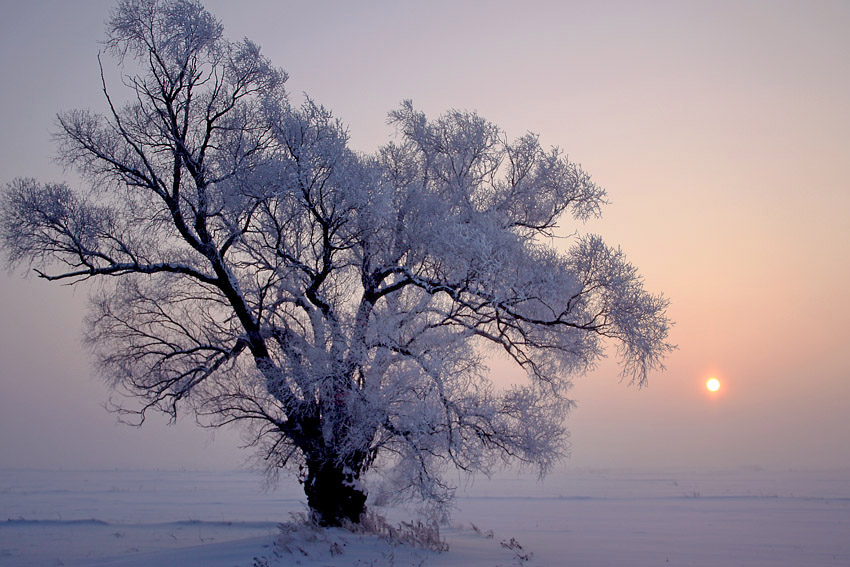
719 131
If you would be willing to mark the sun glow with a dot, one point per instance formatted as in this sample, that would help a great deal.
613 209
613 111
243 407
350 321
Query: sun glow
713 384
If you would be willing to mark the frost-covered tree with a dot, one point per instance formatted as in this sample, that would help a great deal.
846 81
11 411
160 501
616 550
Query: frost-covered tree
250 268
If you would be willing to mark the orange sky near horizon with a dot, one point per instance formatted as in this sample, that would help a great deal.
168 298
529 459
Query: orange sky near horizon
719 130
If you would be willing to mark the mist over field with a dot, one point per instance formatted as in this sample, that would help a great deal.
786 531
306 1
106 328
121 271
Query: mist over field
718 131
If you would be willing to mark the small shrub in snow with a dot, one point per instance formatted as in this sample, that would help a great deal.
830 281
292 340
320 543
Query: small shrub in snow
488 534
519 552
418 534
301 534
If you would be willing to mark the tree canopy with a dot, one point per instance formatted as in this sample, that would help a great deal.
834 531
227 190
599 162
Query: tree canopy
251 268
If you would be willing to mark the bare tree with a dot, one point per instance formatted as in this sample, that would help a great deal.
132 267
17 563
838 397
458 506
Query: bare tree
253 269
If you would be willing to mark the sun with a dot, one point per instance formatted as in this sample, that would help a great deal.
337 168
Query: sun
713 384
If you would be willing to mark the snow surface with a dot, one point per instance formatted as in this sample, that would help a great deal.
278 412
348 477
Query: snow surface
582 518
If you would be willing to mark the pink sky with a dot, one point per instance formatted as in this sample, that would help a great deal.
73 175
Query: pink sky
719 129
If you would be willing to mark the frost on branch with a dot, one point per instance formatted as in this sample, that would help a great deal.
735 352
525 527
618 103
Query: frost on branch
254 270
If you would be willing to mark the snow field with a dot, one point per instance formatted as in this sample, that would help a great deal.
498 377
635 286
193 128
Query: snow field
581 518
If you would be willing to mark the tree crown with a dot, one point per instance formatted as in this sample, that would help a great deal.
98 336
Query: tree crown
254 269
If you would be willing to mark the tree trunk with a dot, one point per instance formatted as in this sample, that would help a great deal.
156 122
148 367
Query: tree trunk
333 493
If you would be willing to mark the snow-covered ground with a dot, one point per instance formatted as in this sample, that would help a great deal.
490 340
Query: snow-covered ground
579 518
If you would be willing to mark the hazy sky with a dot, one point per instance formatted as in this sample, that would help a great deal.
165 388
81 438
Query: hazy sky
721 131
